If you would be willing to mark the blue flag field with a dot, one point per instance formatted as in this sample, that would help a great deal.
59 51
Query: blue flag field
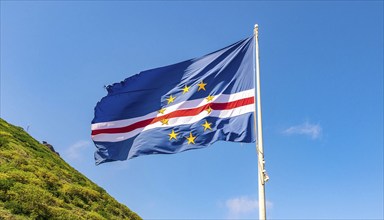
184 106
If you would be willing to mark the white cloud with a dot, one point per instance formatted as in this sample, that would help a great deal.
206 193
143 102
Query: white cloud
314 131
241 205
75 151
244 207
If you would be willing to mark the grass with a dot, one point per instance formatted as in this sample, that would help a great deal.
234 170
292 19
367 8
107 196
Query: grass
35 183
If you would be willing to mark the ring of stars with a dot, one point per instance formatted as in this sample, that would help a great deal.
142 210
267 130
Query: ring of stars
206 125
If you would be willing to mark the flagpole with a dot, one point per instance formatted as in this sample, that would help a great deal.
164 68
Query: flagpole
262 176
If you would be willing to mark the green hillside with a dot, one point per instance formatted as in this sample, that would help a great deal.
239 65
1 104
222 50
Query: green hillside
35 183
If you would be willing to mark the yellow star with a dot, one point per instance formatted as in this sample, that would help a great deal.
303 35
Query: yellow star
161 111
209 98
186 89
164 121
201 86
191 138
207 125
209 109
173 135
171 99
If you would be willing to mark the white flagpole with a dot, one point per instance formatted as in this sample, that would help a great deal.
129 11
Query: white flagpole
259 142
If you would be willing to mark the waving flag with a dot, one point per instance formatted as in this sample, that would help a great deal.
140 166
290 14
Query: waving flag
179 107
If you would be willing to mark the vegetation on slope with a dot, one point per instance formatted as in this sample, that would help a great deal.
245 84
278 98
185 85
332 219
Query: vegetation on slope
35 183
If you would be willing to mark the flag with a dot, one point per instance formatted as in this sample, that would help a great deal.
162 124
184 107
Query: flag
184 106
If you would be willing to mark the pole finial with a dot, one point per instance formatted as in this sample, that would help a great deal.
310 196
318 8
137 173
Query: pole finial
256 29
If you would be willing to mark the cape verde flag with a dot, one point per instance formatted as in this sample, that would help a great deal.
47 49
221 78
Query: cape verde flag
184 106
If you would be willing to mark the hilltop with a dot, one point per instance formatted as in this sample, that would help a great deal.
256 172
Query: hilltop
36 183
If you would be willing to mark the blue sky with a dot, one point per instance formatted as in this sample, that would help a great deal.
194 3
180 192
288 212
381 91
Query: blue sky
322 96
